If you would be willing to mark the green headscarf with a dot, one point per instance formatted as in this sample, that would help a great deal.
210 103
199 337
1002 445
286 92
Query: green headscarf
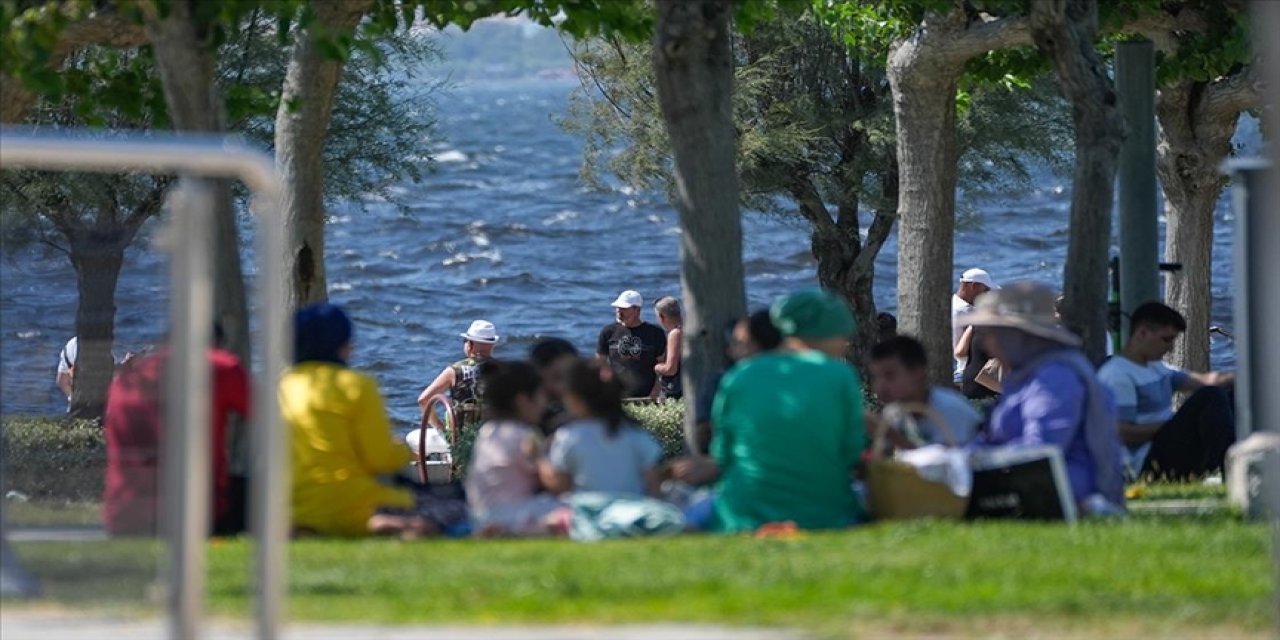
812 313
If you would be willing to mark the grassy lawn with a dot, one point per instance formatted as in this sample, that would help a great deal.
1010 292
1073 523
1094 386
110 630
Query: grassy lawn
1206 575
1209 577
53 513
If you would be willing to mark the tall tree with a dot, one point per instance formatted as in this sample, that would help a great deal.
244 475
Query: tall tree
184 35
693 67
814 123
925 68
302 124
381 115
1206 80
1065 31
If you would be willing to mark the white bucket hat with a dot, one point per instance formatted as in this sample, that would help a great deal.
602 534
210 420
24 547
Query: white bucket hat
1028 306
979 276
628 299
481 331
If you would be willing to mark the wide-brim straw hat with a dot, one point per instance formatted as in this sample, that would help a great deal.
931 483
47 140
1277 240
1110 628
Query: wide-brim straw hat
1027 306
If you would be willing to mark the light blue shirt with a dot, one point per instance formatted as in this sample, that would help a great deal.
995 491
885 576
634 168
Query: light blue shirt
1143 392
600 462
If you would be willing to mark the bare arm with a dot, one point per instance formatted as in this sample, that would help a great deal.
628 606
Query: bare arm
1210 379
671 365
653 481
555 480
1134 434
64 382
962 345
443 382
696 470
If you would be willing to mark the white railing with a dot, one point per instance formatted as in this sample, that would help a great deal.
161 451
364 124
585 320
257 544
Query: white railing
198 158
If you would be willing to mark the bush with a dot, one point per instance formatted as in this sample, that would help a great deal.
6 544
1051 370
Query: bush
54 458
665 420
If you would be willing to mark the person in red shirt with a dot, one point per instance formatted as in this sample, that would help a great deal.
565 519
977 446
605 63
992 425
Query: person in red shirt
134 423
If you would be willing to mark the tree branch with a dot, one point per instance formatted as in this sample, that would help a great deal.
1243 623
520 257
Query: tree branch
811 204
102 27
1227 97
992 34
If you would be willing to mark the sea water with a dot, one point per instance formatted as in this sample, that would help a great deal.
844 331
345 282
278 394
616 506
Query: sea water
505 230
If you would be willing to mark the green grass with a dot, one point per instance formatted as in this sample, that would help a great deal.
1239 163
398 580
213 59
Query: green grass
1145 575
1178 491
53 513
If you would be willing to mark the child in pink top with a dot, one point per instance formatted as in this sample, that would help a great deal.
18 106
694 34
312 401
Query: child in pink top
503 491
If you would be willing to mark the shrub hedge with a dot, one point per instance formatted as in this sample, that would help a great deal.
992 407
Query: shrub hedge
64 459
53 458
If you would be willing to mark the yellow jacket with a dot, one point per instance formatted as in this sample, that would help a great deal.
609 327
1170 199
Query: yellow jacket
340 442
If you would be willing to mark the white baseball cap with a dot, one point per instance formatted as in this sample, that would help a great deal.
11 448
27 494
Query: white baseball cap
481 331
979 276
628 299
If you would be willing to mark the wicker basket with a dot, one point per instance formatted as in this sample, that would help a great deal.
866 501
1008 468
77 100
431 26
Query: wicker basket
896 491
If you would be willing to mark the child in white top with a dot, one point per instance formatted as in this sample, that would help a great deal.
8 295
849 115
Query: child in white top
503 490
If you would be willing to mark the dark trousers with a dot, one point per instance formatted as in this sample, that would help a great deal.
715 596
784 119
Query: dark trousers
1194 442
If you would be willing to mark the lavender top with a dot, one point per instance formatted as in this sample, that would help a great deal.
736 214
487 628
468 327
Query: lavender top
1048 407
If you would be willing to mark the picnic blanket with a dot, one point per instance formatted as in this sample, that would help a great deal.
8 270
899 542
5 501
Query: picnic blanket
597 516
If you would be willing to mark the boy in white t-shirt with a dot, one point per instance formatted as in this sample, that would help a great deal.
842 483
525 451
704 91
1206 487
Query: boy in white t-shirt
900 374
1184 445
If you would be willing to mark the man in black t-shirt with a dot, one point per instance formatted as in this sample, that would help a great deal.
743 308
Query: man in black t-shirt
632 346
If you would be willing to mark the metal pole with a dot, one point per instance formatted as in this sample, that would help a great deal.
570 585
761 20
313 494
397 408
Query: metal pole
1136 177
1254 255
271 475
188 403
212 156
1263 289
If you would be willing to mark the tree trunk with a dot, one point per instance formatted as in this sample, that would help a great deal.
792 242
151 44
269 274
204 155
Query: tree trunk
924 106
185 60
1194 138
693 66
845 264
1064 30
302 126
97 261
924 71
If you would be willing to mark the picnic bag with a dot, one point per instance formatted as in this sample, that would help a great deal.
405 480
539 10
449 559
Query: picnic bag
897 491
1024 483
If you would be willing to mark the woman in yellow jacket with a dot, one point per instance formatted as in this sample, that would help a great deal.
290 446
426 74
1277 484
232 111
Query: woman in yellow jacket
341 440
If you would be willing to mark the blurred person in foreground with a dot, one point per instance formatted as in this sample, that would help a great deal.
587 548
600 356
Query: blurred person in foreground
788 426
553 358
341 441
1051 395
745 338
900 375
134 426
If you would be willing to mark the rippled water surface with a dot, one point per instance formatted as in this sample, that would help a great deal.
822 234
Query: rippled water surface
504 230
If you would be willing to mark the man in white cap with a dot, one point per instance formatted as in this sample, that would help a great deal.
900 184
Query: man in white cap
973 283
632 346
461 379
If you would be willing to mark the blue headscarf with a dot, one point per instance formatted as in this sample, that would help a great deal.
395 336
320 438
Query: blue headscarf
319 331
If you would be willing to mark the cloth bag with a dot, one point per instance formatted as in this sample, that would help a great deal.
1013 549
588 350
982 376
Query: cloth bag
898 490
598 516
991 375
